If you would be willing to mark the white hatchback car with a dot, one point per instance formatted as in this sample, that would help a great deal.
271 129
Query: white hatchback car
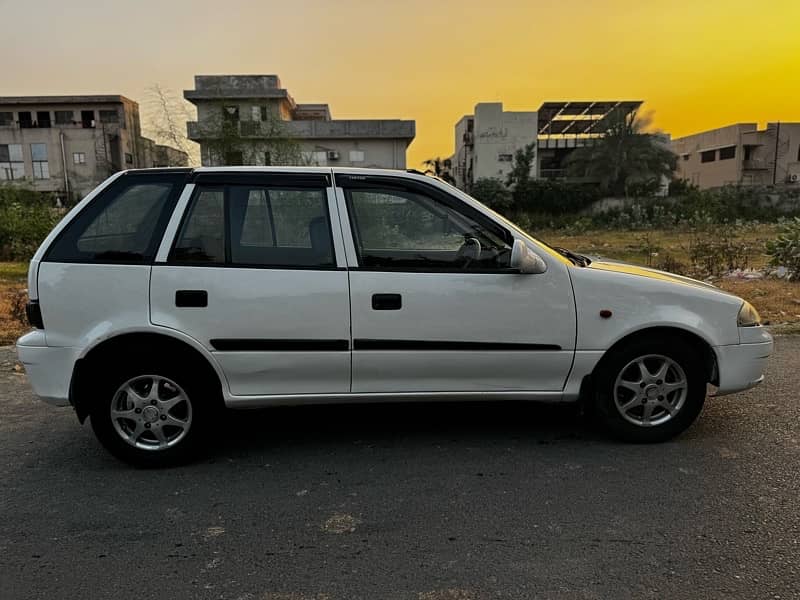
168 294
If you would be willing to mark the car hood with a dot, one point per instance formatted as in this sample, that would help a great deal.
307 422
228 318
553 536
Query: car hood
628 269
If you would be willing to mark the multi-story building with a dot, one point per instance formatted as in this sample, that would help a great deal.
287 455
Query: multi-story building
740 154
486 141
252 120
68 144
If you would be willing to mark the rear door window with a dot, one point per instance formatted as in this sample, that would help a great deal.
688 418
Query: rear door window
123 224
252 225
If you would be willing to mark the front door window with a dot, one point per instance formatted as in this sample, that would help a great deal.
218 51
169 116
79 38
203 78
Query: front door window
399 229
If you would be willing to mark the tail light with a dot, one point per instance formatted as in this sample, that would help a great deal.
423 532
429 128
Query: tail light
34 314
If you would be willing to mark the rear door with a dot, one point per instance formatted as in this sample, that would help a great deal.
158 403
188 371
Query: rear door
255 272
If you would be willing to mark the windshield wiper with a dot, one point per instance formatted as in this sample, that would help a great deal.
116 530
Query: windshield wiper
578 259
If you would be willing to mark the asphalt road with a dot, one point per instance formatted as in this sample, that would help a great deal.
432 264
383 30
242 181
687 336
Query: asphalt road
426 502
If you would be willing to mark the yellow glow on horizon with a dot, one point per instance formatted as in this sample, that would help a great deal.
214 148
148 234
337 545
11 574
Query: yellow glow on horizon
697 64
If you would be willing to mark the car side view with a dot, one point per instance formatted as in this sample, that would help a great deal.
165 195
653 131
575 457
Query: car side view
167 295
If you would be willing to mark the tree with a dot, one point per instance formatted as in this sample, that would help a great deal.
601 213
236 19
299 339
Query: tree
523 164
439 167
519 179
166 118
624 156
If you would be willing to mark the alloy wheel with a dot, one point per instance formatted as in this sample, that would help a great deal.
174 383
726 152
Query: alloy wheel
151 412
650 390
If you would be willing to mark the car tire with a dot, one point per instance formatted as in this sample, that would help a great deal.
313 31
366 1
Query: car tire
154 412
651 390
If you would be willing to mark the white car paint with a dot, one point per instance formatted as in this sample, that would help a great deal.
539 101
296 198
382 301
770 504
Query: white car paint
85 304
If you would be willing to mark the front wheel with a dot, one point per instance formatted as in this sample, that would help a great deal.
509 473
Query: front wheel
151 415
650 391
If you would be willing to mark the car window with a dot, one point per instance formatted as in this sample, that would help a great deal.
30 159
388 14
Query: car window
123 224
404 229
203 235
266 227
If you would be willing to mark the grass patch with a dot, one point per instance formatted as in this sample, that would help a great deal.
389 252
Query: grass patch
13 271
650 247
13 278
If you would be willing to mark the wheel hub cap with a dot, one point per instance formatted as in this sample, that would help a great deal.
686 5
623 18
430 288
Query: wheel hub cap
150 414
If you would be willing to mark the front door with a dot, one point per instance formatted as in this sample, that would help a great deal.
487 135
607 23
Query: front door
435 306
257 275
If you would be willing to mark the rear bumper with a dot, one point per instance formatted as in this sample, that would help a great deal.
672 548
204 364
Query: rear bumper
742 366
49 370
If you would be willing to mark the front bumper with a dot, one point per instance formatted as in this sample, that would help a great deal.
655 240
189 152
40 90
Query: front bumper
742 366
49 370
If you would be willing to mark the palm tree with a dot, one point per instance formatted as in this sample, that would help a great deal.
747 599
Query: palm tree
624 155
438 167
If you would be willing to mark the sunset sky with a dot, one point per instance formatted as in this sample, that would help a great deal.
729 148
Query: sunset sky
697 64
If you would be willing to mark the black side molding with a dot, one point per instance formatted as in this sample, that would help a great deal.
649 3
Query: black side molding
279 345
423 345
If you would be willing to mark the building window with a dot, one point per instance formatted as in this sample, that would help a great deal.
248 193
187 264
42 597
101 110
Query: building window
64 117
230 114
727 153
686 157
708 156
43 118
258 113
78 158
109 116
505 157
11 164
356 156
87 119
41 170
128 158
25 119
6 119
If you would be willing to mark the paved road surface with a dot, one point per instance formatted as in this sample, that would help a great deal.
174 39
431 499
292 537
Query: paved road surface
425 502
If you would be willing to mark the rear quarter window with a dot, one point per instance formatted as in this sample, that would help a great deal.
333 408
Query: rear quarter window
123 224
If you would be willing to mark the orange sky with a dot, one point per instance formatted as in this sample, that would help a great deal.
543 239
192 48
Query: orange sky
698 64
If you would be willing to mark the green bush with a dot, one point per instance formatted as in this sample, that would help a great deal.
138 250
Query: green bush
25 220
554 197
785 249
492 193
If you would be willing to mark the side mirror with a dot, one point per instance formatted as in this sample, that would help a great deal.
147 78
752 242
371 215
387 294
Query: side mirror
526 261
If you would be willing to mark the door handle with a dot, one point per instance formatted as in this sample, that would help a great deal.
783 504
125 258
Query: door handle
191 298
387 302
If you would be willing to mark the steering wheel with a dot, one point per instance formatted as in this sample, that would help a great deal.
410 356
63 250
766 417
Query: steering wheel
469 251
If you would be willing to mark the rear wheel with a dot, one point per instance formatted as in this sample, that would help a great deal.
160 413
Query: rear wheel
151 414
650 391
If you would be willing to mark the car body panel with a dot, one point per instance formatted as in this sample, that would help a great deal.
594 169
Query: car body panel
640 301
